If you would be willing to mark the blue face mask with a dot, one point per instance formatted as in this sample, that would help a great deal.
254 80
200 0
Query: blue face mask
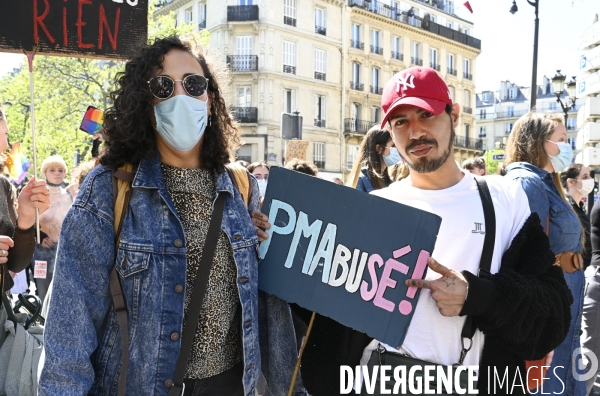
181 121
563 158
393 158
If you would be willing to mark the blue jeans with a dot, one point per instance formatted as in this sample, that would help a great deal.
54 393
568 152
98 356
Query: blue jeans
561 380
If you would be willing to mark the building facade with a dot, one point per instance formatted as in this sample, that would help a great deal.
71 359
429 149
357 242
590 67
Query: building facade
328 60
497 111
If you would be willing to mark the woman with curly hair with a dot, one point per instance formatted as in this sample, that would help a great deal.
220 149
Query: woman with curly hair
169 120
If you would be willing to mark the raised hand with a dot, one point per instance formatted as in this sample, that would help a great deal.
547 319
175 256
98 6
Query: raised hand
34 195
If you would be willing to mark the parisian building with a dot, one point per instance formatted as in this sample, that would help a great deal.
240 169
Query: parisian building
327 62
497 111
588 89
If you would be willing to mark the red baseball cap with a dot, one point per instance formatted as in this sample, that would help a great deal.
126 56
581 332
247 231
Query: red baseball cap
418 86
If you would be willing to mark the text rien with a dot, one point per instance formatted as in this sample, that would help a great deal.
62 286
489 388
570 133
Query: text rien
43 12
417 380
340 265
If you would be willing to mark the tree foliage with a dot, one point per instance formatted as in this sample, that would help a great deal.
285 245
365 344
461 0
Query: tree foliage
64 88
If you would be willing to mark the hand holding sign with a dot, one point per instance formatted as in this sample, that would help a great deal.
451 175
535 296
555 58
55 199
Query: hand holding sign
261 223
449 291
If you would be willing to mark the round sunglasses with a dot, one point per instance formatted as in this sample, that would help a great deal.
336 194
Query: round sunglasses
162 87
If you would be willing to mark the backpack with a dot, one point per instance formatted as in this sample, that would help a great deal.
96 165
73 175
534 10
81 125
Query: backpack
121 191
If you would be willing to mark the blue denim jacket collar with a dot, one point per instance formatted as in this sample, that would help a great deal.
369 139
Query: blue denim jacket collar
149 175
542 173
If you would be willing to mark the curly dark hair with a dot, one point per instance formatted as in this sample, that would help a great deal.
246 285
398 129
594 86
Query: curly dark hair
128 130
302 166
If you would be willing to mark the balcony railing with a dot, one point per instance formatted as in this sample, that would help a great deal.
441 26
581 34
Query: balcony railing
451 34
242 13
321 30
468 110
289 21
485 116
243 63
354 125
468 76
245 115
289 69
319 164
435 66
452 71
511 114
423 23
397 55
202 25
471 144
376 90
320 76
357 86
377 50
320 123
416 61
357 44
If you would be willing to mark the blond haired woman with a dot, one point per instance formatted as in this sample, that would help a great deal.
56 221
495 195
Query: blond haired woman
536 152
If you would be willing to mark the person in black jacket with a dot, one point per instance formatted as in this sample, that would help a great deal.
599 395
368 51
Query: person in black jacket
591 316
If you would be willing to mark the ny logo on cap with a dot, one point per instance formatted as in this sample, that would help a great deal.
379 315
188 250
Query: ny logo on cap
407 81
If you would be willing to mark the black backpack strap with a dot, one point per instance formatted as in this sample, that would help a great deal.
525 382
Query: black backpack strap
197 298
116 289
485 264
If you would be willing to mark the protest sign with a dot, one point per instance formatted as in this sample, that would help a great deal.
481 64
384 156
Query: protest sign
296 149
81 28
344 254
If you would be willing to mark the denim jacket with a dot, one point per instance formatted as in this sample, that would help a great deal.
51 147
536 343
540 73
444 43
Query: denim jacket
82 340
544 198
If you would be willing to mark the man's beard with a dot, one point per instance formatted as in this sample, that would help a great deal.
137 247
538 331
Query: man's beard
427 165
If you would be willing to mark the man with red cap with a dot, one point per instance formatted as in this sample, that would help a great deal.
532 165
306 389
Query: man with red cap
510 304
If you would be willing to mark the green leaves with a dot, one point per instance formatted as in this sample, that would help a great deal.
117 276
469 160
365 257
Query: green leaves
64 88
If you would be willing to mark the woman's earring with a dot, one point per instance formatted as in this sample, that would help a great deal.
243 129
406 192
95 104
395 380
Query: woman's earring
209 121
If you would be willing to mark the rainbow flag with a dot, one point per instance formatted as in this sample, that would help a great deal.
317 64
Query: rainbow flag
20 164
92 120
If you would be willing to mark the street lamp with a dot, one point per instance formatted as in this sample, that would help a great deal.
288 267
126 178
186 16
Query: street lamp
513 9
558 85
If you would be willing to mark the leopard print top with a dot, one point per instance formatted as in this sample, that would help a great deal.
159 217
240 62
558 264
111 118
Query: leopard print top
217 344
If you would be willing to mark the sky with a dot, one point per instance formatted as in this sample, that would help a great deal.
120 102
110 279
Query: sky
506 40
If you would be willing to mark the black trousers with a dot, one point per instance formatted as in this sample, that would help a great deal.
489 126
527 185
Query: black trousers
228 383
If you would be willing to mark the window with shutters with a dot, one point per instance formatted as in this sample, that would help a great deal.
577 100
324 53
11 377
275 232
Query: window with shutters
375 114
201 16
355 83
451 66
188 15
508 128
452 93
320 64
319 154
289 100
289 12
351 156
320 111
320 21
244 60
416 54
289 57
482 133
433 59
356 39
375 88
396 48
467 69
244 97
467 98
375 42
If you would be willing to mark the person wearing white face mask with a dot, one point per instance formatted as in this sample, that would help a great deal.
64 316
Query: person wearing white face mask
376 154
536 152
186 233
577 184
260 171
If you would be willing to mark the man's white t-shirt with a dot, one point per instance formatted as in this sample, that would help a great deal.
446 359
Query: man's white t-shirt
431 336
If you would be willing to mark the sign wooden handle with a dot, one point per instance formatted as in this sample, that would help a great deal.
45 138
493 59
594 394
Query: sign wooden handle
304 342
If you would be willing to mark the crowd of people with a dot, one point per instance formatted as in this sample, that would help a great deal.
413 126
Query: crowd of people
158 234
